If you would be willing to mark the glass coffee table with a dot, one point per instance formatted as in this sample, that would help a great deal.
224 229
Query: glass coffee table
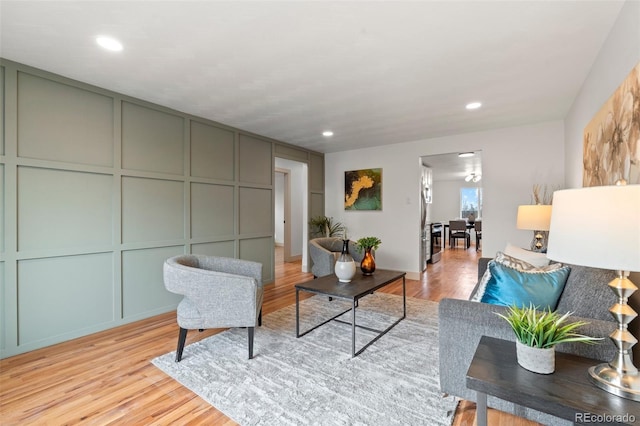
359 287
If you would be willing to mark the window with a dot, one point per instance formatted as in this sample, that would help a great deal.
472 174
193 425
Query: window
471 202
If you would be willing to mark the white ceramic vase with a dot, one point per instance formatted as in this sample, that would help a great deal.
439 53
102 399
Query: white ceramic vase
345 271
538 360
345 267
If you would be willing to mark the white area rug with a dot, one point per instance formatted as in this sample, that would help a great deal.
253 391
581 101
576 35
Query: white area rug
313 380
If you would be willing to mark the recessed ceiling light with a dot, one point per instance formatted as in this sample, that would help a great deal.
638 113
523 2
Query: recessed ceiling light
466 154
473 105
109 43
327 133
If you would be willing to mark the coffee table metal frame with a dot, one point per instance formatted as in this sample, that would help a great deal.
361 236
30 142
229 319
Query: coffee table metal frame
359 287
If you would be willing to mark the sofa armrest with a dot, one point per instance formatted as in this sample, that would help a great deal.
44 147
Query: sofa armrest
461 324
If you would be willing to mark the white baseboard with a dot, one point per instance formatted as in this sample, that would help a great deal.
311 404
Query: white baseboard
413 276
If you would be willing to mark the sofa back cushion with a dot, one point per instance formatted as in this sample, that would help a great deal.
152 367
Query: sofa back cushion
587 294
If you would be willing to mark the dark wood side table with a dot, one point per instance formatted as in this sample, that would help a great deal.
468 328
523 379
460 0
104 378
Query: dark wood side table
567 393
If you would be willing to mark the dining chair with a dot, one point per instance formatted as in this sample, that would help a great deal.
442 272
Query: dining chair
478 228
458 230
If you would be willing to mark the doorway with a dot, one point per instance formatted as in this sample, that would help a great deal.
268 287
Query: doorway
451 178
290 210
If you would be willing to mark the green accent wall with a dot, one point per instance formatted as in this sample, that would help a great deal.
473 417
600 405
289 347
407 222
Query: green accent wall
98 189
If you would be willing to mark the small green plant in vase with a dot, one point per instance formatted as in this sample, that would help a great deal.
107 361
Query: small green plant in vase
537 333
368 264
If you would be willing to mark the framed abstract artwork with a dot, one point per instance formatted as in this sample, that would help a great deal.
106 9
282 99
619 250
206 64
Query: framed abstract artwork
611 144
363 189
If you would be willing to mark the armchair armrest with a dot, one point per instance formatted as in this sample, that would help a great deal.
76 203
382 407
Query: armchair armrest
323 260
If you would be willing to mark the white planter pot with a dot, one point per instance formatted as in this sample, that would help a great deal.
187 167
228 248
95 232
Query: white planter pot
538 360
345 271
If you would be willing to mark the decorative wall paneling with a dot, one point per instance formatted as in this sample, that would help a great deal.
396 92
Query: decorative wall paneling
99 188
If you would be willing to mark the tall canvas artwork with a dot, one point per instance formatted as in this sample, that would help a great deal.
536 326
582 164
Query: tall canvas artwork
612 139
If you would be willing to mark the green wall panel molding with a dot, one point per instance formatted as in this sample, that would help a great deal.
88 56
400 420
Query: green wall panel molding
60 209
152 210
316 205
256 161
59 122
212 201
2 110
2 193
316 173
220 248
259 250
212 152
256 211
3 299
143 284
98 189
60 295
290 153
152 140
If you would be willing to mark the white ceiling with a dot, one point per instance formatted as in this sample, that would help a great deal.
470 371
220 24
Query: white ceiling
375 73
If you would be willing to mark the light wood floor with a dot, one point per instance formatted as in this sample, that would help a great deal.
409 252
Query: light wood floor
107 377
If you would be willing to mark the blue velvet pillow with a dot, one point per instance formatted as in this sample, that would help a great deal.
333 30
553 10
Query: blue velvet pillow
508 287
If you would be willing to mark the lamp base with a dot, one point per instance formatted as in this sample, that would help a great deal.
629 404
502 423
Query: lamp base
616 382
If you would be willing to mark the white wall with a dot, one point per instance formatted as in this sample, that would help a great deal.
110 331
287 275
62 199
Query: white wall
279 209
446 199
619 54
513 160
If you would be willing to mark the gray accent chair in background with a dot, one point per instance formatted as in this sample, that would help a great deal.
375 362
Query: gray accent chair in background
325 251
219 292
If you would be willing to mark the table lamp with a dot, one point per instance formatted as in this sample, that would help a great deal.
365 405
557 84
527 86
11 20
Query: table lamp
615 210
535 217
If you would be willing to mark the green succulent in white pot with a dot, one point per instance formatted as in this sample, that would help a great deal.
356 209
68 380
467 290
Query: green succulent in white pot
537 334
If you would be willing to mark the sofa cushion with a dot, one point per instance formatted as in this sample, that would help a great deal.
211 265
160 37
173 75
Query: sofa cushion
522 265
512 262
510 286
532 257
587 294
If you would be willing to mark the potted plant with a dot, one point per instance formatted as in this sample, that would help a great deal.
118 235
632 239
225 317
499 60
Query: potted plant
325 227
537 333
368 264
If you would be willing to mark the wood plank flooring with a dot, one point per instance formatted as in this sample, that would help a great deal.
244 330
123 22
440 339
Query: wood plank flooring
107 378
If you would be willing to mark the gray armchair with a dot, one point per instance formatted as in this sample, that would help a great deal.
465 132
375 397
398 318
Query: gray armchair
219 292
325 251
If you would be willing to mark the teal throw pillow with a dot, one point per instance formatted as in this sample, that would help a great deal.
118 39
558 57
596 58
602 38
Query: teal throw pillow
509 286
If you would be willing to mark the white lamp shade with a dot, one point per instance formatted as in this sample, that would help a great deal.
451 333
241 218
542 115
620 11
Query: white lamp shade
535 217
597 226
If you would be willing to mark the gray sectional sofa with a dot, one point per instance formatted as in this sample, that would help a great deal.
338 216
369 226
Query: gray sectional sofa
463 322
